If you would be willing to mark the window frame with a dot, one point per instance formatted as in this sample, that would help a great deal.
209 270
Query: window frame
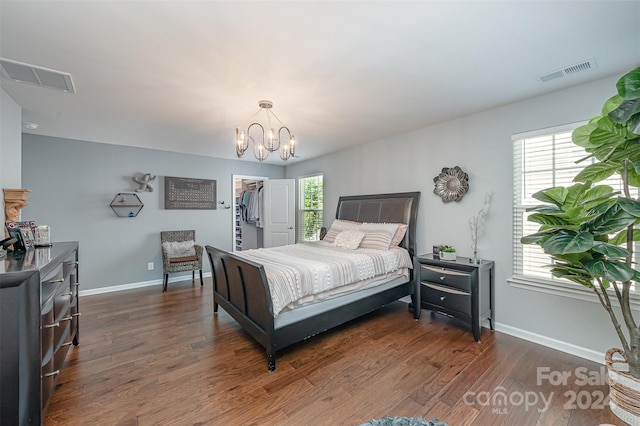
301 210
519 279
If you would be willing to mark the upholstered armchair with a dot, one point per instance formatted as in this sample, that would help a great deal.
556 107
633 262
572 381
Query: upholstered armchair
180 253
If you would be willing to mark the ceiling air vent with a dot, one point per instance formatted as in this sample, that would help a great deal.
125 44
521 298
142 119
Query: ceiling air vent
38 76
569 70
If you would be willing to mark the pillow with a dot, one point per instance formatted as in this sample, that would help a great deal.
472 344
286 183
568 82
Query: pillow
179 248
349 239
338 226
378 236
399 235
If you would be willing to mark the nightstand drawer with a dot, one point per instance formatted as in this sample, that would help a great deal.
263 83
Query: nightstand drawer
449 277
448 298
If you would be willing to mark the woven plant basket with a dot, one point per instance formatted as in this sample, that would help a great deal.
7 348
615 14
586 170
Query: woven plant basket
624 389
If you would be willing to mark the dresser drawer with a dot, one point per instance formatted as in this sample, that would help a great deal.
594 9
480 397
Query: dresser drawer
447 298
449 277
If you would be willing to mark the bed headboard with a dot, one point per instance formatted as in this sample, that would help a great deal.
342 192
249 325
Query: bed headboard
401 207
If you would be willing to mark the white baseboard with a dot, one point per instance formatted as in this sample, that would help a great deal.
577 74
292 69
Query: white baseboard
141 284
569 348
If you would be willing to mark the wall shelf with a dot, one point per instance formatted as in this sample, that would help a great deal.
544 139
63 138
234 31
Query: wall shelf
126 204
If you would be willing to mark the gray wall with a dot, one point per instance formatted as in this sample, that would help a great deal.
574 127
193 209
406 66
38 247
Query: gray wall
480 144
73 183
10 151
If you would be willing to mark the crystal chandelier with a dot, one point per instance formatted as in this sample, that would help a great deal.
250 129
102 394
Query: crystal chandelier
256 133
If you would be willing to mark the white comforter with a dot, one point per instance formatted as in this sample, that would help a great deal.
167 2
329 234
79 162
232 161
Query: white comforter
299 270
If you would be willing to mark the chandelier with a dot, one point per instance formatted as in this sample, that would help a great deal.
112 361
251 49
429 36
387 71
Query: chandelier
273 141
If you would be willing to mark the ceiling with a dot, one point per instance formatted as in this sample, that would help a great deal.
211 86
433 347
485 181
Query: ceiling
182 75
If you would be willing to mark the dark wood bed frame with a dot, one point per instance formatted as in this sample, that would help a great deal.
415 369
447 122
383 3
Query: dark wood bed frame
240 286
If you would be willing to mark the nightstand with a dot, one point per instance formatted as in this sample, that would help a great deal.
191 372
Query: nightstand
458 288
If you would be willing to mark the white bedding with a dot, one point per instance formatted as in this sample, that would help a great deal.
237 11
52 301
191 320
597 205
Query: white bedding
297 271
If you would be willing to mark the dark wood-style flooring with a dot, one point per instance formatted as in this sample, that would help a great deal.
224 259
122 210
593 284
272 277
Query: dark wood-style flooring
153 358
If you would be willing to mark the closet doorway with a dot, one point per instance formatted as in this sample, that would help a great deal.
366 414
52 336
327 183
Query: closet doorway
264 212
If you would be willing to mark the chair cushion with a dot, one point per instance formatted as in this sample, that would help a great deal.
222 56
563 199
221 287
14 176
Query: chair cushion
179 248
183 259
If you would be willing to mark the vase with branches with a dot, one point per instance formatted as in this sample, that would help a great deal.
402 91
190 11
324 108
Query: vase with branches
476 223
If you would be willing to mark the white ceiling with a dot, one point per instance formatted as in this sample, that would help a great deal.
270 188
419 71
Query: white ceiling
182 75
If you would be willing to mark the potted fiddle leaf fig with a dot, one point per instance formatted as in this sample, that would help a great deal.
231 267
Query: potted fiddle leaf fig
589 229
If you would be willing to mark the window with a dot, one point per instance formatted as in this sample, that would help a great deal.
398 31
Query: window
541 160
310 207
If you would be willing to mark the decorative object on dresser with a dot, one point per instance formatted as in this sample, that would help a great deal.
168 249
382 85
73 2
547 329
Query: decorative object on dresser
144 182
451 184
477 226
241 288
39 321
126 204
446 253
180 253
459 289
14 200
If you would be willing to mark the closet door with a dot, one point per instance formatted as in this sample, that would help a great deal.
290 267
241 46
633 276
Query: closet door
279 212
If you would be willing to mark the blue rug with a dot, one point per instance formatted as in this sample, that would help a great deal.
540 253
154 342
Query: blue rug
404 421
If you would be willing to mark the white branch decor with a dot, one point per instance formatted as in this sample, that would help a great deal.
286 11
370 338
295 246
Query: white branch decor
477 225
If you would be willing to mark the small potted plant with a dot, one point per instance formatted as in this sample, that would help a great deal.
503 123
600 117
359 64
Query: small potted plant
447 253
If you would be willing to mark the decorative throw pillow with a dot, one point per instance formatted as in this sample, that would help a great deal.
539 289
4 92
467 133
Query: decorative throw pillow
349 239
179 248
399 235
378 236
338 226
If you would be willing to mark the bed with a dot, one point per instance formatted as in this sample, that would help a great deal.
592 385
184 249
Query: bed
241 288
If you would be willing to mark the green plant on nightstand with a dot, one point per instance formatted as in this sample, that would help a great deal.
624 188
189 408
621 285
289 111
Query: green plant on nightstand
447 253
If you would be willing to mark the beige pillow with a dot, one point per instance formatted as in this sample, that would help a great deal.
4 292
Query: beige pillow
338 226
179 248
378 236
349 239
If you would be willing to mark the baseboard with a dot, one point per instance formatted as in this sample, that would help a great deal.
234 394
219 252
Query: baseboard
141 284
579 351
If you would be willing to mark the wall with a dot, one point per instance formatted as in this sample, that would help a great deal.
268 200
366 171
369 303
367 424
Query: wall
73 183
481 145
10 139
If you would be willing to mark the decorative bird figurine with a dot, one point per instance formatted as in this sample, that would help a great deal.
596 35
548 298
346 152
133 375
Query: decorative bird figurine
144 182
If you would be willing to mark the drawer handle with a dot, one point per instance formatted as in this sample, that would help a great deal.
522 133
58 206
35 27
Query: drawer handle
442 277
55 324
69 318
67 294
66 344
54 373
76 284
77 314
59 280
442 298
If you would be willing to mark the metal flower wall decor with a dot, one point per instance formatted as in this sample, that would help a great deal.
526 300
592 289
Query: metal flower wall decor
451 184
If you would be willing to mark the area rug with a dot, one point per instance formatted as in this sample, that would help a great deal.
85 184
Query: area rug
404 421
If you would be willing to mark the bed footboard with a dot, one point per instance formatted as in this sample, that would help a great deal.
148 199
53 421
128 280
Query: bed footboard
240 287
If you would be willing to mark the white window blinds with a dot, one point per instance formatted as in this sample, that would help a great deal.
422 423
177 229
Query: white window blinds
310 207
544 159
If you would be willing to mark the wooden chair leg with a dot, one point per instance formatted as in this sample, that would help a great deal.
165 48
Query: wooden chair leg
193 275
166 281
202 282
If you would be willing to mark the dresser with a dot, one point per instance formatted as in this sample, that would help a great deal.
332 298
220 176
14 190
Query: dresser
458 288
39 321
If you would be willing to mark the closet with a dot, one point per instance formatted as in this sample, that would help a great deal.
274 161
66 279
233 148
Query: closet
264 212
248 196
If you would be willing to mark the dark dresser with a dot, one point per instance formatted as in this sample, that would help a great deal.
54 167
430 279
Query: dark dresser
458 288
39 320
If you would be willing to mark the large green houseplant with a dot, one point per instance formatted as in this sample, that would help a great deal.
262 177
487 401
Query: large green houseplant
588 229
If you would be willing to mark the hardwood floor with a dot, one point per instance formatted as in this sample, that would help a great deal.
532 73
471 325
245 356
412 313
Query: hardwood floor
153 358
